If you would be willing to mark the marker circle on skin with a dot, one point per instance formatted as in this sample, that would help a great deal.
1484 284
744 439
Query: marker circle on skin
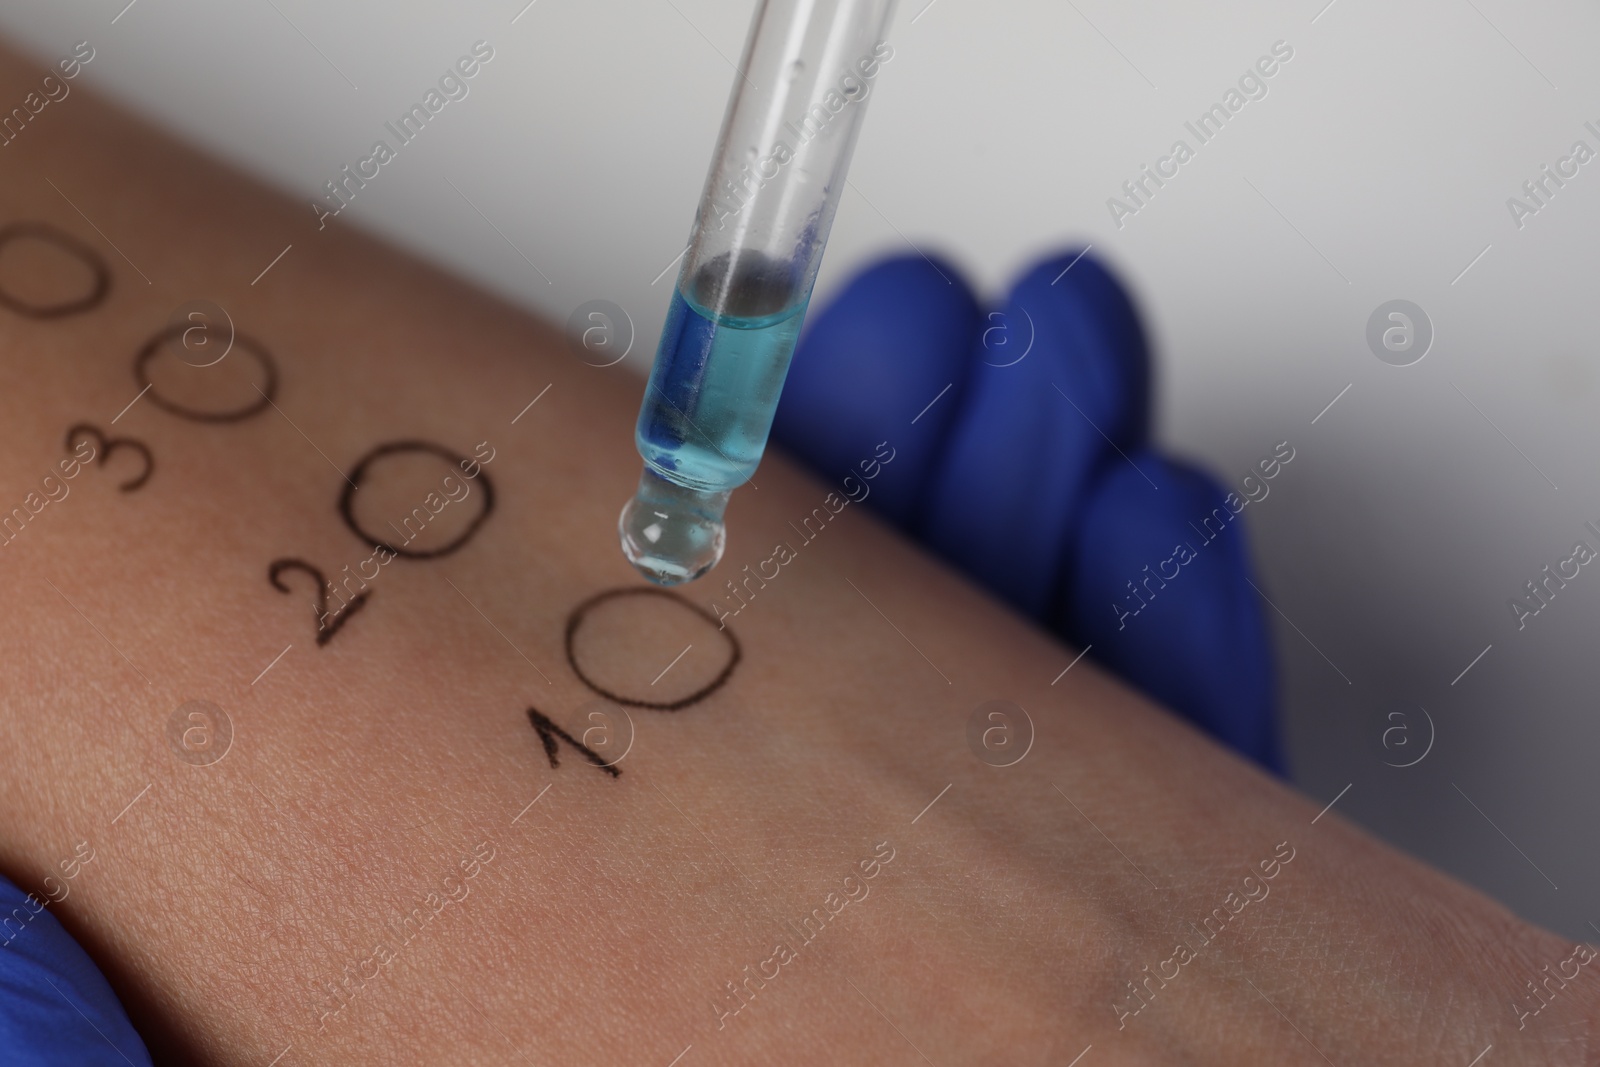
457 462
100 274
158 344
575 622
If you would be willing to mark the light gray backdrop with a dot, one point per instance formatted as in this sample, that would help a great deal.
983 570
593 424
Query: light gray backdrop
1378 166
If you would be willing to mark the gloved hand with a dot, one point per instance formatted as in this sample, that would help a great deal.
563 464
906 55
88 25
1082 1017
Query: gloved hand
1023 458
55 1008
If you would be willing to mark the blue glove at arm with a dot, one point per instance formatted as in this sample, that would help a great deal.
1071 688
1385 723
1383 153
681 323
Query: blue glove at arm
1023 458
55 1007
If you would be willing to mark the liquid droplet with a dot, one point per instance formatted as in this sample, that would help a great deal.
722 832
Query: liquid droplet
670 533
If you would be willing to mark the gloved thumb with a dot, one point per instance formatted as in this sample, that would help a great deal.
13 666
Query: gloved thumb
55 1005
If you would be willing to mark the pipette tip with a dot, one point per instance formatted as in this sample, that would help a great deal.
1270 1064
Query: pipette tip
672 534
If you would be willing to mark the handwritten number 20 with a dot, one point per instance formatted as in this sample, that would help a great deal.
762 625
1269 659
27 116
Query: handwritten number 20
327 624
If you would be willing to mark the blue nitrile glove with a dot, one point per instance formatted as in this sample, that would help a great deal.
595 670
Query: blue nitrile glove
55 1007
1033 473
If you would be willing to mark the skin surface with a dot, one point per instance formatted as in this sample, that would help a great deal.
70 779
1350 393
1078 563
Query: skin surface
363 773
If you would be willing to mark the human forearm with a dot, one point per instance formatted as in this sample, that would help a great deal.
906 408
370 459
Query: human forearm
281 896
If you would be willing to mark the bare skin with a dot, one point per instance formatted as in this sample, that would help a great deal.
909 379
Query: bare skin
232 903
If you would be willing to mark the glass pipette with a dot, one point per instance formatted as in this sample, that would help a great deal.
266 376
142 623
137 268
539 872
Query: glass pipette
775 181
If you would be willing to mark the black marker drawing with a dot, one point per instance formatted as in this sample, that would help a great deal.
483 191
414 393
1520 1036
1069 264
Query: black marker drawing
101 275
109 445
549 731
327 625
268 390
462 463
575 621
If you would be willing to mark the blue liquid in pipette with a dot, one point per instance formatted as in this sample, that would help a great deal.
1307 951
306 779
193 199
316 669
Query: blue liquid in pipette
714 391
704 422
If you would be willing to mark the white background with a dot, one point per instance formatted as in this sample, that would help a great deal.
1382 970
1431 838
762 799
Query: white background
1378 167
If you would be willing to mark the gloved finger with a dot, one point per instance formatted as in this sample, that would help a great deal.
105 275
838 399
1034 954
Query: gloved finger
1060 381
1159 590
893 341
55 1006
